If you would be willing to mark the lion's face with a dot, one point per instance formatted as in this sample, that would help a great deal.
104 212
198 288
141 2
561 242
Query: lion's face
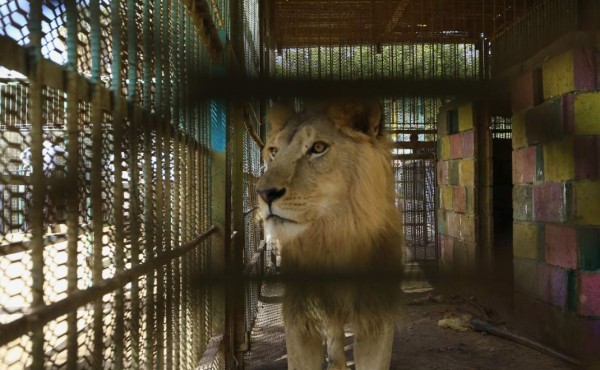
314 158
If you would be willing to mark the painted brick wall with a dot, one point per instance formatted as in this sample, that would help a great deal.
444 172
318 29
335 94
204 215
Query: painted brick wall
556 197
457 218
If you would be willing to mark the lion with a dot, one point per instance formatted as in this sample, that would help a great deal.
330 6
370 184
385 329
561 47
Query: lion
328 197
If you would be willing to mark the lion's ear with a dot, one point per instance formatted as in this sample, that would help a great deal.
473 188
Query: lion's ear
363 116
278 115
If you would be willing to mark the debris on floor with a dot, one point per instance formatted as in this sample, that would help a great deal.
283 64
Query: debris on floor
419 343
454 322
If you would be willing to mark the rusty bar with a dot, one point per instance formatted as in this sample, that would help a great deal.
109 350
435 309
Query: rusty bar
240 88
118 191
134 174
251 265
44 314
96 180
72 169
250 127
38 178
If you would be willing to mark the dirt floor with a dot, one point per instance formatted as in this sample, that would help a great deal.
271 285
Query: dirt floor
419 344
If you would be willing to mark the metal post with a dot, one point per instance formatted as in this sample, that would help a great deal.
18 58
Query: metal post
72 175
38 180
134 174
119 329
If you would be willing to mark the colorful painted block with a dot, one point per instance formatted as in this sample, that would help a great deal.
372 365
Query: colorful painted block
561 245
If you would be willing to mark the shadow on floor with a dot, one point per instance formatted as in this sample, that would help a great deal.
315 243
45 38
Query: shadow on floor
419 342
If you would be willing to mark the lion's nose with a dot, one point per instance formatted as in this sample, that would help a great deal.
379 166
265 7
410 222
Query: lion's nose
269 195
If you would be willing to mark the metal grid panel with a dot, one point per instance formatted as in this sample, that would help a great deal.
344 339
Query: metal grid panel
377 61
301 23
253 230
412 126
544 23
219 10
501 127
105 185
14 17
252 42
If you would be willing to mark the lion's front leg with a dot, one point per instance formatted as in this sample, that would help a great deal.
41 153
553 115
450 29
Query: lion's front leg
336 357
373 351
304 348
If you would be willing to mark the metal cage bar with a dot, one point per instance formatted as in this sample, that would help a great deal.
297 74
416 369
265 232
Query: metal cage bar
93 238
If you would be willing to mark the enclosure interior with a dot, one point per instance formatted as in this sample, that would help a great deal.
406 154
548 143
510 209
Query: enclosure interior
130 147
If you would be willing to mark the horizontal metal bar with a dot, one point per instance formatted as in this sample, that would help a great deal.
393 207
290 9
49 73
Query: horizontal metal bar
14 57
41 315
251 131
207 29
255 258
414 145
242 88
49 239
413 156
25 245
212 351
246 213
15 180
410 131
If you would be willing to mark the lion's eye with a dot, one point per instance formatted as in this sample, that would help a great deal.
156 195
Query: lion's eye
318 147
272 152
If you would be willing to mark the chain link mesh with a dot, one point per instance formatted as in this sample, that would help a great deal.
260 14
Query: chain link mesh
124 178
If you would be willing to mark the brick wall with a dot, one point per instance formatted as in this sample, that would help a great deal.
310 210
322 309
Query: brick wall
556 200
457 216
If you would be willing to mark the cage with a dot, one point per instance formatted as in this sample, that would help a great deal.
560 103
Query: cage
131 135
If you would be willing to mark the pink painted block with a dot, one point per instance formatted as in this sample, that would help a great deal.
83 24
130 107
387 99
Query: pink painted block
468 144
447 245
589 294
523 91
456 146
442 172
453 224
586 68
524 165
548 202
561 246
591 337
552 284
460 199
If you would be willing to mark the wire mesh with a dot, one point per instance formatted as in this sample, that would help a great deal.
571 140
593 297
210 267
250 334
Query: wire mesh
253 233
543 23
14 16
301 23
412 126
501 127
388 61
104 171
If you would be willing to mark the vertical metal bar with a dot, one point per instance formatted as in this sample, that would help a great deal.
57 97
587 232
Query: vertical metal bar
147 73
149 244
184 168
119 325
192 176
148 187
178 113
162 75
72 173
172 133
96 178
134 206
38 180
